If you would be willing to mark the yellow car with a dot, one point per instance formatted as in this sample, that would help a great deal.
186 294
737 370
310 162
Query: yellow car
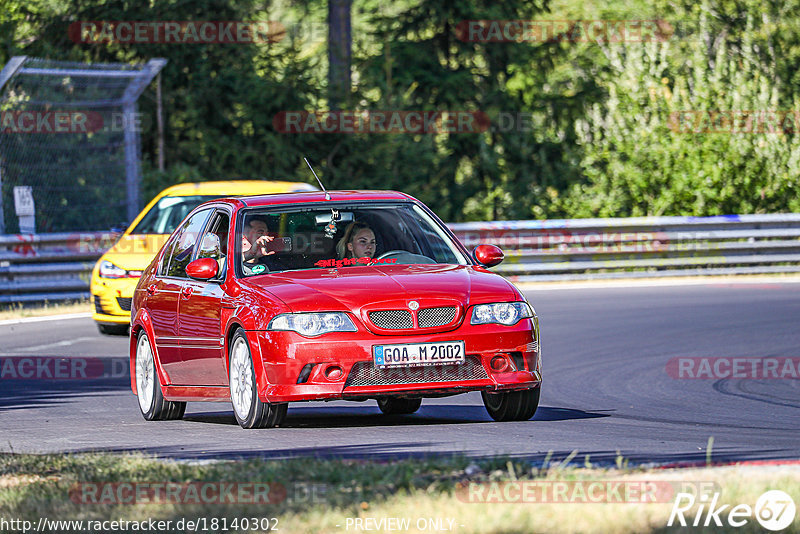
117 272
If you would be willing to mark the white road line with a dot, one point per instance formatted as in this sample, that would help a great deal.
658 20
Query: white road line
62 317
65 343
650 282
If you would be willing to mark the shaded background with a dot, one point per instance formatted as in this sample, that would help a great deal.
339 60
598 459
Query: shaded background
598 140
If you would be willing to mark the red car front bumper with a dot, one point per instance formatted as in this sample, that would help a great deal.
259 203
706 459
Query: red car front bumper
340 365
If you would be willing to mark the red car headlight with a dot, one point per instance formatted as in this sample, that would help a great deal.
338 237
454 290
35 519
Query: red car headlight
507 313
313 324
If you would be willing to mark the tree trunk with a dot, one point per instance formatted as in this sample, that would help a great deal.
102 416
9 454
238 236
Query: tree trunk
339 52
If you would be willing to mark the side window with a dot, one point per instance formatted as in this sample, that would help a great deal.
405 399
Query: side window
215 241
168 248
187 237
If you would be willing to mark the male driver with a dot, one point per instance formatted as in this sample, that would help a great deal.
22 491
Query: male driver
254 240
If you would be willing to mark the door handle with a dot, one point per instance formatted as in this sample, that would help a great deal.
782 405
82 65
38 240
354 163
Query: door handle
151 289
186 292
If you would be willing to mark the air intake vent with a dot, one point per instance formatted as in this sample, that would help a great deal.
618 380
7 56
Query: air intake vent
124 303
430 317
392 319
366 374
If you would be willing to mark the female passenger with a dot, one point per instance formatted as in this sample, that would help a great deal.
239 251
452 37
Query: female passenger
358 241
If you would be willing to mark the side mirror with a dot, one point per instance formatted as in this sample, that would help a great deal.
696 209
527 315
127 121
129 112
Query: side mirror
488 255
119 228
203 268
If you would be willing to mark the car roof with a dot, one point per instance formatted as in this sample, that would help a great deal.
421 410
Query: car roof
235 188
319 196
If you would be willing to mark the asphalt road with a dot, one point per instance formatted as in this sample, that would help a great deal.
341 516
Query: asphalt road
607 390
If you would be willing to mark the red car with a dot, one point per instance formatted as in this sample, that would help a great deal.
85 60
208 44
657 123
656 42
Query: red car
351 295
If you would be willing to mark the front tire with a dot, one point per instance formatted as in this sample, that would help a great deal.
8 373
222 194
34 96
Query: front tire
250 411
152 404
512 405
395 406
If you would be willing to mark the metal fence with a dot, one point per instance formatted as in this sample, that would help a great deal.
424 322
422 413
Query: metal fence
69 142
57 266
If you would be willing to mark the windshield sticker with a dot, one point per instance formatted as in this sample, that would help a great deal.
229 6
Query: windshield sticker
258 269
354 261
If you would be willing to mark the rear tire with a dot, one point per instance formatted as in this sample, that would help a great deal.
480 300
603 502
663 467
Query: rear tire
512 405
113 329
396 406
249 410
152 404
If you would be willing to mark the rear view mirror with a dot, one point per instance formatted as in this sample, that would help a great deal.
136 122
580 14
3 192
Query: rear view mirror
488 255
325 218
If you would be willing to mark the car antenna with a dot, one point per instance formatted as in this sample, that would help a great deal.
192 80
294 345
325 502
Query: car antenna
327 196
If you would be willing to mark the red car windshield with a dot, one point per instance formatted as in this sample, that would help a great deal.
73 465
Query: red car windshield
368 234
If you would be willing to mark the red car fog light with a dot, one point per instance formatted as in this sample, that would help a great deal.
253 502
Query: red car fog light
499 364
334 372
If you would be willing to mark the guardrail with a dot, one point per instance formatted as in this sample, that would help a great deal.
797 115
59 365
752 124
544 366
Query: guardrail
49 267
639 247
58 266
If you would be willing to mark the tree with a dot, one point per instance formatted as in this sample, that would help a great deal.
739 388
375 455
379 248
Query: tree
339 52
669 141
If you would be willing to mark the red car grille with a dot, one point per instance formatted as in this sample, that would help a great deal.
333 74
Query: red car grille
366 374
392 319
404 320
430 317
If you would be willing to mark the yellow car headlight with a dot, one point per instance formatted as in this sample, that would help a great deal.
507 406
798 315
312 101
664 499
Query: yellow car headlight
109 270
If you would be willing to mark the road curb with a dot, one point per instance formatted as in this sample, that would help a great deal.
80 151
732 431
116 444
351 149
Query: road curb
59 317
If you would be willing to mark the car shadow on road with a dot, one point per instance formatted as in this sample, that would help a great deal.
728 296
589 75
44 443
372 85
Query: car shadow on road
26 394
369 415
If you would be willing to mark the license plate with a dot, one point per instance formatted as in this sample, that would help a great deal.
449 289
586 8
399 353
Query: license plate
408 354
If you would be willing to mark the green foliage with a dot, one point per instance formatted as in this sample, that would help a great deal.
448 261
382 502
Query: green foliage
422 65
643 156
597 143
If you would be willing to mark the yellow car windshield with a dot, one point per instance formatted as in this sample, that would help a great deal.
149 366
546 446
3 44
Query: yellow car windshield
168 212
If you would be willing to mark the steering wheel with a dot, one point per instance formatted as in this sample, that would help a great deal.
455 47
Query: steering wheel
405 257
390 253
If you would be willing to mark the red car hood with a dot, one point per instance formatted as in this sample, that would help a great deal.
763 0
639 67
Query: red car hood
352 288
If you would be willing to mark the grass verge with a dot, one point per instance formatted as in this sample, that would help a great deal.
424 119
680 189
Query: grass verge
18 311
421 495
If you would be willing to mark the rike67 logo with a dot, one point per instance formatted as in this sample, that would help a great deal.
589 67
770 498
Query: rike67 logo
774 511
